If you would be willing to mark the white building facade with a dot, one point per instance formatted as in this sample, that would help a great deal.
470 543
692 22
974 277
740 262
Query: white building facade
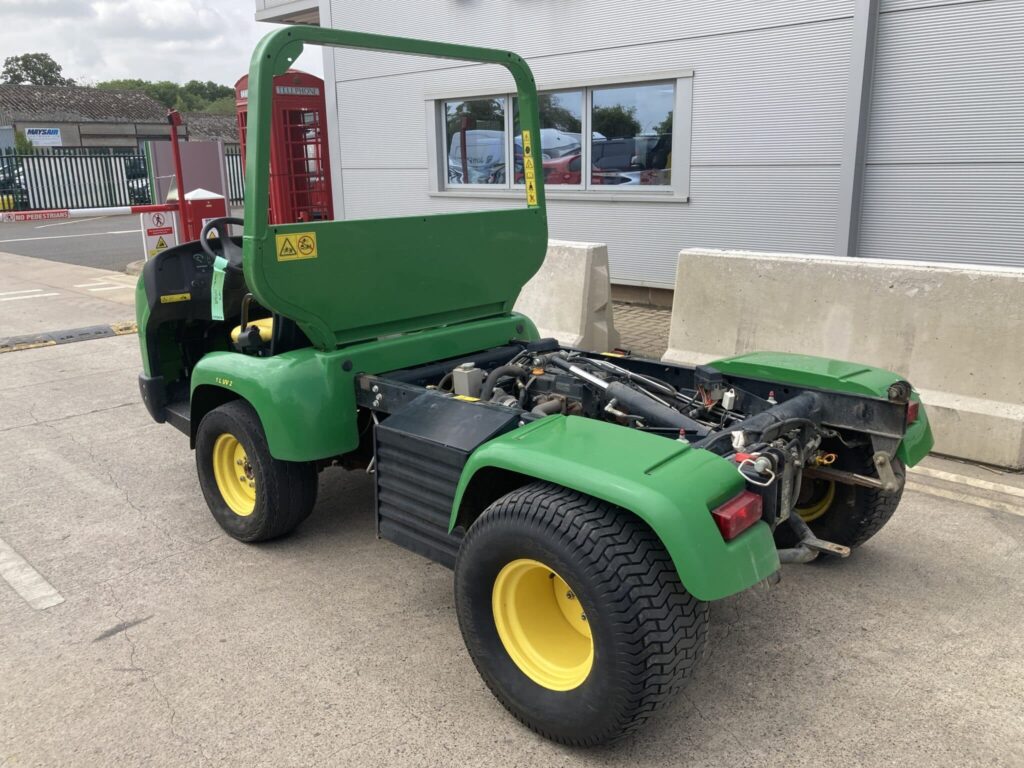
871 128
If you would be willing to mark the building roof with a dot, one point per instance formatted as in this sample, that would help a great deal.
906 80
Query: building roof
203 126
76 104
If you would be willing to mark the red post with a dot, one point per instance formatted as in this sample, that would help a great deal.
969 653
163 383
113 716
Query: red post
174 118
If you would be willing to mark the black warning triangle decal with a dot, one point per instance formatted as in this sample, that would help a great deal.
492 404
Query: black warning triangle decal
287 248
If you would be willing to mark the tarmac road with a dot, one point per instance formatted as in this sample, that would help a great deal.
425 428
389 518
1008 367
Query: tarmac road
106 242
168 643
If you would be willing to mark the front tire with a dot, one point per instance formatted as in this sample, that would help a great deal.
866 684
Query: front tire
574 615
252 495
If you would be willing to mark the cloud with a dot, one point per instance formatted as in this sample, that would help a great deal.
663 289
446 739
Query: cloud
112 39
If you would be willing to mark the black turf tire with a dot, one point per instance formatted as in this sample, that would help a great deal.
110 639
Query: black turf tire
285 490
856 513
648 631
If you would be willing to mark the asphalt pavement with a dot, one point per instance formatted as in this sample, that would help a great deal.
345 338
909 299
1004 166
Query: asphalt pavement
105 242
134 632
39 295
168 643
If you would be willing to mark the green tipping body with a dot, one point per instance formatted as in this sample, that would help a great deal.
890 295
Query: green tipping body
349 281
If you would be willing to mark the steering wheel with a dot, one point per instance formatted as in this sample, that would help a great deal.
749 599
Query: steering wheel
229 250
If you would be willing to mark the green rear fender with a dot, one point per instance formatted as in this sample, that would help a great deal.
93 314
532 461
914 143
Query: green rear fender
668 484
837 376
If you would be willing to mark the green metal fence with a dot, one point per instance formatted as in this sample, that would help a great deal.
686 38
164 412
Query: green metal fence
78 177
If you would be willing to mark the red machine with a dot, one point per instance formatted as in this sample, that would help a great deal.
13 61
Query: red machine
300 180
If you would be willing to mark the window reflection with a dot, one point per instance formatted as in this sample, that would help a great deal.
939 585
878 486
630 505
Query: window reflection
631 135
561 126
475 141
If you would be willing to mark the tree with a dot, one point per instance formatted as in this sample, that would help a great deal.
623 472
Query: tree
22 146
552 115
163 91
616 122
193 96
664 128
225 106
208 91
480 114
33 69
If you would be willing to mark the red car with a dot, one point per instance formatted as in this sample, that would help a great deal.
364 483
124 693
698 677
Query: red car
559 170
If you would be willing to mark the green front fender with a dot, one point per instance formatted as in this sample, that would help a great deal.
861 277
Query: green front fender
306 409
668 484
306 399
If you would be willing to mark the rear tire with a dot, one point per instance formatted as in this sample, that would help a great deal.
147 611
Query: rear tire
845 514
252 495
617 635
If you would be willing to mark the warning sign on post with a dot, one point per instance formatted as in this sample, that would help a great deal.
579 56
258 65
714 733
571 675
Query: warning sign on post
296 245
159 232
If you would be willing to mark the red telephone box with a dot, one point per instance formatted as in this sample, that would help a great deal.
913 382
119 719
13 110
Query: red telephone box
300 176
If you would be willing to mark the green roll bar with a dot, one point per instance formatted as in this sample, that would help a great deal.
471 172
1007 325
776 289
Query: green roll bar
350 281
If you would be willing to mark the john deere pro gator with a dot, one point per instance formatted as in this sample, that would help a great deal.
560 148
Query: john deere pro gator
591 505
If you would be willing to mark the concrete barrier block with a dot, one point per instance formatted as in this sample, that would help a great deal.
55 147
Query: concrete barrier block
955 331
570 296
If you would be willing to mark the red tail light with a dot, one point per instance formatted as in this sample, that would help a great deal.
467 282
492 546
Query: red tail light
912 409
737 514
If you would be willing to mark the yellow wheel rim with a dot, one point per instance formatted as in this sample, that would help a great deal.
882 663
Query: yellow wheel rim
234 475
816 509
542 625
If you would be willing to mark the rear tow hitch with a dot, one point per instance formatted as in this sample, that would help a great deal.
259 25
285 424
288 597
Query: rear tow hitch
810 546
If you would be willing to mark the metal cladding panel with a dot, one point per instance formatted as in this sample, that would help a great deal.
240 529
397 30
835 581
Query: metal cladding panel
774 208
947 85
890 6
539 30
957 213
774 96
945 144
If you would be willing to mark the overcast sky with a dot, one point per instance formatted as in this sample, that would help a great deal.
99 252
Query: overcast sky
177 40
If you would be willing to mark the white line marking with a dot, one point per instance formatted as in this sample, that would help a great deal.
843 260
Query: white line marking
26 580
109 287
974 482
11 293
70 221
33 296
80 234
966 498
91 283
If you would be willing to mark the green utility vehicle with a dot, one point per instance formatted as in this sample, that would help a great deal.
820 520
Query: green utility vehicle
590 504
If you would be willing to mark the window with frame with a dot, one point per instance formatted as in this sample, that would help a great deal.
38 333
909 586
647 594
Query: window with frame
623 132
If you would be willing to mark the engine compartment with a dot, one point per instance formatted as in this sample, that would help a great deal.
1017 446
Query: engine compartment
785 441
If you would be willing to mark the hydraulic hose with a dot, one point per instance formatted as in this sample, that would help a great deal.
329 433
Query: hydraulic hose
548 407
801 409
654 413
487 390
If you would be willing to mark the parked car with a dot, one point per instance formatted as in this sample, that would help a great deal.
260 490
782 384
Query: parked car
485 151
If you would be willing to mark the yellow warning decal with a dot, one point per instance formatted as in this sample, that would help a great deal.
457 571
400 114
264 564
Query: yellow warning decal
296 245
528 170
171 298
531 192
467 398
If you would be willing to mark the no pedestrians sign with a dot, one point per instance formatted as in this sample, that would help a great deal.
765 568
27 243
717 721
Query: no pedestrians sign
159 232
